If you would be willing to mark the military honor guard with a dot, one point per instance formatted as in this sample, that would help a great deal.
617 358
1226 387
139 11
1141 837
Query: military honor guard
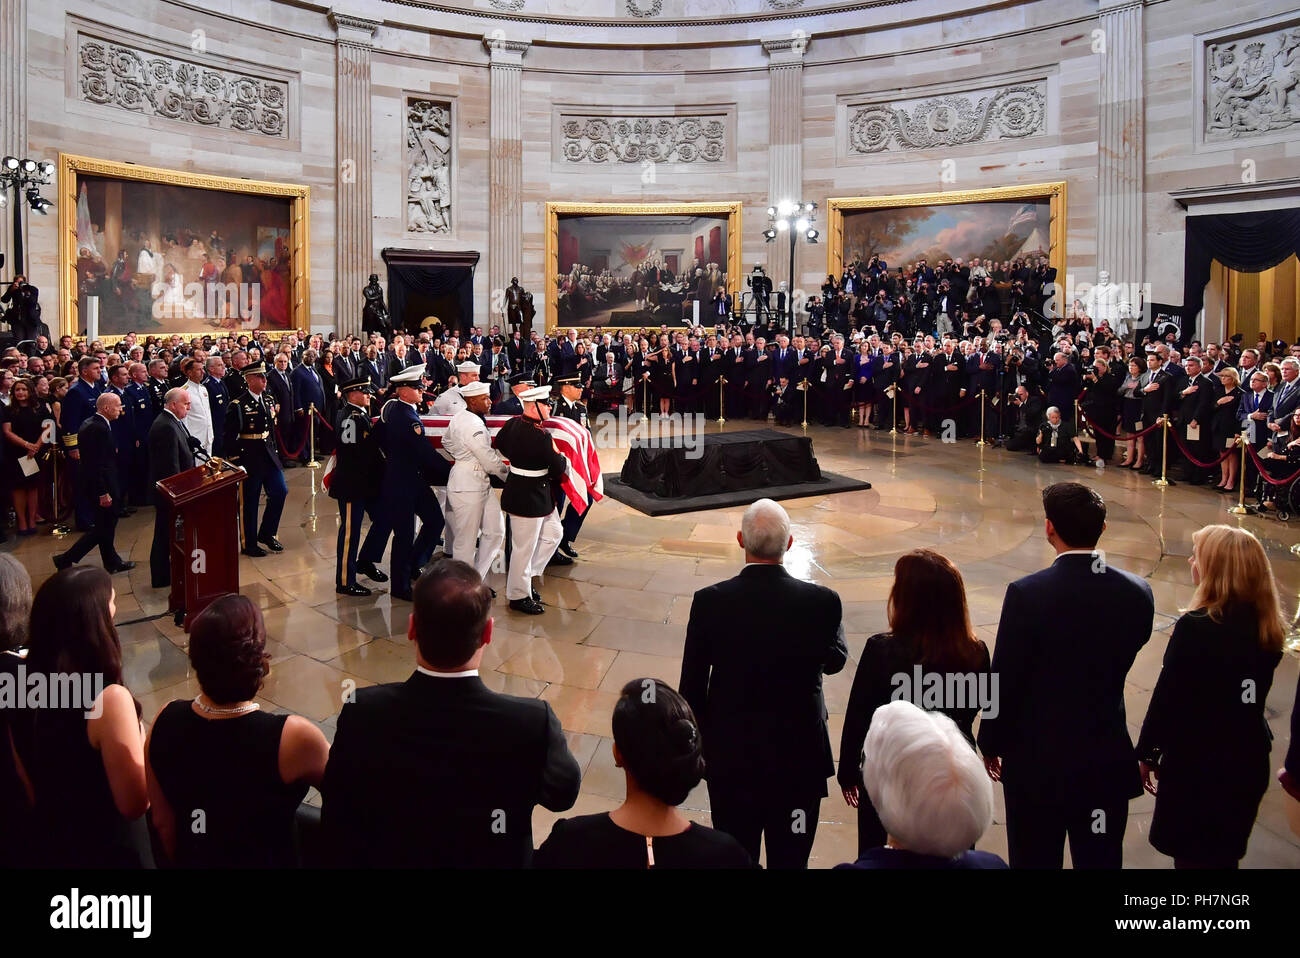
568 405
355 482
451 401
411 464
535 528
474 507
250 437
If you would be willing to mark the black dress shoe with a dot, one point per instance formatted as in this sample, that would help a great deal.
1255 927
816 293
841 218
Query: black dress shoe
560 559
351 590
493 591
62 562
255 551
527 606
272 543
537 596
369 570
121 567
568 550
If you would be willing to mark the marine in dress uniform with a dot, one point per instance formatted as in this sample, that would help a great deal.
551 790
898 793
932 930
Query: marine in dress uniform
411 462
355 482
474 508
250 440
567 405
534 525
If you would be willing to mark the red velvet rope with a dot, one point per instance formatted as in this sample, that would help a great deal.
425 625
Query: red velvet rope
1196 462
1263 470
322 420
284 446
1110 435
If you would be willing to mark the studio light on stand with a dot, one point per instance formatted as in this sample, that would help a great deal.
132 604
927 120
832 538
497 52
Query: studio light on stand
25 177
797 220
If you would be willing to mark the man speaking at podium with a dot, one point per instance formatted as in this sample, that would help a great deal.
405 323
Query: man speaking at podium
169 453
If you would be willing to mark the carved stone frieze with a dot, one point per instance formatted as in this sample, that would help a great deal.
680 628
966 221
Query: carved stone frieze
1012 112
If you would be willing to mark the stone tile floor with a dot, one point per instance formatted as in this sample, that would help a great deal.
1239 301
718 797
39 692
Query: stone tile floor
621 611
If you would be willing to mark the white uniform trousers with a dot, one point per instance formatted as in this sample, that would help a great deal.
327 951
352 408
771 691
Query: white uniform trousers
476 515
448 529
533 540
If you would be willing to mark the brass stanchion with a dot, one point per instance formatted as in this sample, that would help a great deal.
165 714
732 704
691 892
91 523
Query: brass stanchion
893 425
722 400
311 516
59 529
311 436
803 387
1164 454
645 398
1240 508
981 440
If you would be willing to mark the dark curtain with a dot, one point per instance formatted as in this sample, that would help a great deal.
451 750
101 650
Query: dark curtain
1247 242
727 463
431 281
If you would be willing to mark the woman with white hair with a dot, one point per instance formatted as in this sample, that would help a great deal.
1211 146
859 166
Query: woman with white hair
930 790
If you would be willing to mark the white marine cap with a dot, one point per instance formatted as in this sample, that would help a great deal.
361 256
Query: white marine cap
410 376
470 390
468 367
535 394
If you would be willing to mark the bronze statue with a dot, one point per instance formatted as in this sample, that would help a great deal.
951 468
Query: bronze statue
374 315
514 302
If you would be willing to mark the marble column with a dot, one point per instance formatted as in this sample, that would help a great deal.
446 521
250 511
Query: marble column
1121 233
353 251
785 146
506 173
13 124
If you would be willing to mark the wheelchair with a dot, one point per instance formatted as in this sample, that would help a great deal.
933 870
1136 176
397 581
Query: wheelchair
1281 502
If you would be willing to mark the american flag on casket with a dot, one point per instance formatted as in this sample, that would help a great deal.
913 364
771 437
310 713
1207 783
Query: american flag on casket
582 482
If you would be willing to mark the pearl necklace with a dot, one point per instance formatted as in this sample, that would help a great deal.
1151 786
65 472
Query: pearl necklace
213 710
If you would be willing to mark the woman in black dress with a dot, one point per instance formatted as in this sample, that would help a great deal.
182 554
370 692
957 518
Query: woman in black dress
83 754
1130 414
930 646
1225 427
657 744
23 428
246 770
1204 744
663 378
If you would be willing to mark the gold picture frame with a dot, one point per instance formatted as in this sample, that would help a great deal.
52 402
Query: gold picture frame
1054 192
72 167
555 210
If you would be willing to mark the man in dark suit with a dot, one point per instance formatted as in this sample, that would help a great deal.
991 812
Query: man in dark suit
1059 742
101 484
308 392
757 646
1286 399
170 452
448 800
1195 409
1065 385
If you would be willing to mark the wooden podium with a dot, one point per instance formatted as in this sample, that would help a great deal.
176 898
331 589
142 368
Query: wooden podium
203 505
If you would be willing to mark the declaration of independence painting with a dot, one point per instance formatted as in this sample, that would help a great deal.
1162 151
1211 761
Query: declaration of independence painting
159 256
639 269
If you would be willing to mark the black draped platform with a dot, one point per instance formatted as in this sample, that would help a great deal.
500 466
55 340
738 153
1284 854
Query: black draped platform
728 469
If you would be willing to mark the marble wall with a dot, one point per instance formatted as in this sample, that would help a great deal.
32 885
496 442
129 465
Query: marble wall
914 97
